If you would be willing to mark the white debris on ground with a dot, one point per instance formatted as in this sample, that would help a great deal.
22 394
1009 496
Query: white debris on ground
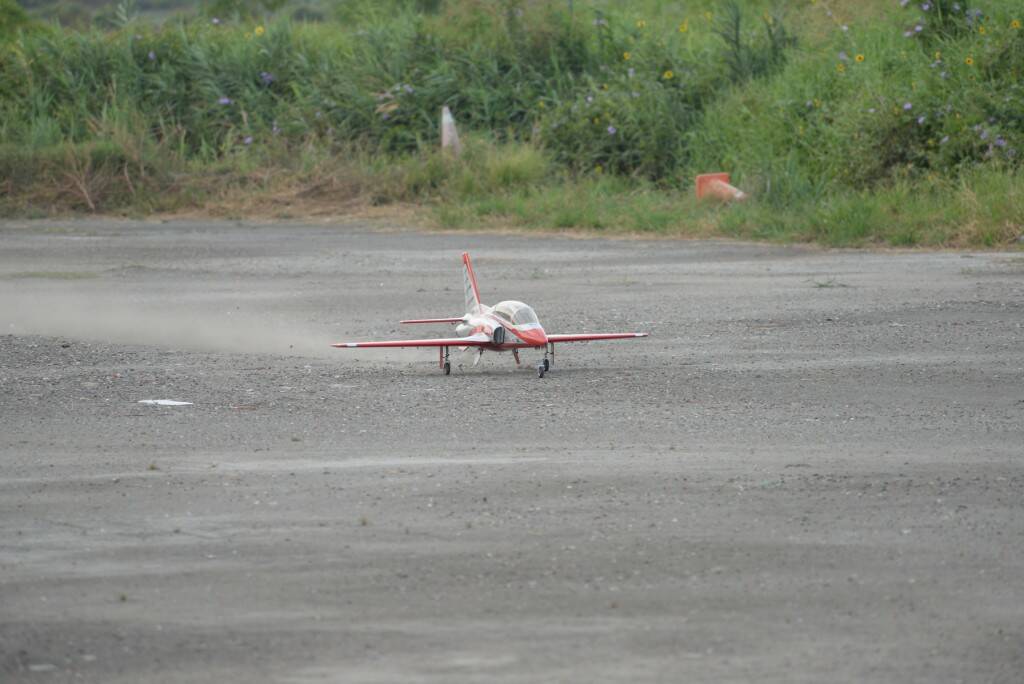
164 402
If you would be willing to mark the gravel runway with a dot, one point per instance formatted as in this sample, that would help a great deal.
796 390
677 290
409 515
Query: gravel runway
812 470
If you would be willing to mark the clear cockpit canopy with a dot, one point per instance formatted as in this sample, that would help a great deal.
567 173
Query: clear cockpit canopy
516 313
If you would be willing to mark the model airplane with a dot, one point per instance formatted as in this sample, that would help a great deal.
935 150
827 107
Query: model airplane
506 326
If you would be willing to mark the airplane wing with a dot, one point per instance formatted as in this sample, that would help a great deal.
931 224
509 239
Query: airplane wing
475 340
585 337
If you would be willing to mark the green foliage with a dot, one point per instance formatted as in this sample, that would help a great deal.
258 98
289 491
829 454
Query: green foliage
747 57
836 118
12 18
875 104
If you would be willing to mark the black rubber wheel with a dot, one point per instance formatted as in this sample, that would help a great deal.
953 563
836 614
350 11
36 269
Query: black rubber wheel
547 366
447 368
540 370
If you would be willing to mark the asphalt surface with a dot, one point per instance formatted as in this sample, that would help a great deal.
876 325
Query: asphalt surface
813 470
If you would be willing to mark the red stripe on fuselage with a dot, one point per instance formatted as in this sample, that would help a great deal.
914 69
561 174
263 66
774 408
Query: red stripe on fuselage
527 339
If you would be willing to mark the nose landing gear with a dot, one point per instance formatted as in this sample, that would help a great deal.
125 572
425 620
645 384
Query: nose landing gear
442 361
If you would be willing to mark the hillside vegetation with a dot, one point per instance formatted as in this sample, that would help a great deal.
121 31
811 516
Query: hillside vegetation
880 122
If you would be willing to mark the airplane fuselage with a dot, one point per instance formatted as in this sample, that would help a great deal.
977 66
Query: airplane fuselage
526 334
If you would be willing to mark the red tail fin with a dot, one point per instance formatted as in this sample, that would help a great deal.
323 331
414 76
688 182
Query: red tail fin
472 291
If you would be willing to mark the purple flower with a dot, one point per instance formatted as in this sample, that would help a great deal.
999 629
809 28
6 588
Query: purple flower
224 101
907 106
956 6
904 3
631 72
215 21
945 139
926 6
151 56
871 111
318 114
1000 142
385 116
908 34
266 77
918 28
590 98
612 130
408 89
983 135
843 56
920 121
248 140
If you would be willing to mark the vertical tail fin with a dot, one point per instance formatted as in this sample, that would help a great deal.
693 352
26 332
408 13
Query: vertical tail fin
472 291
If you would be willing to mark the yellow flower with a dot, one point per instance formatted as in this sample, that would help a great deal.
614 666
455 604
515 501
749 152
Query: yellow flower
604 86
859 58
969 61
259 31
685 26
938 55
667 75
982 30
1015 24
640 23
598 169
540 104
840 67
597 121
627 56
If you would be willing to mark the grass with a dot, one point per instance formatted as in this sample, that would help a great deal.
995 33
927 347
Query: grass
846 124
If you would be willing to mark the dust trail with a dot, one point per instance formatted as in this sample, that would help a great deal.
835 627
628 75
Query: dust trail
119 320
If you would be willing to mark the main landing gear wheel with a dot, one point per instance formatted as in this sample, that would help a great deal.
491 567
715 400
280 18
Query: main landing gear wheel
547 366
541 367
447 368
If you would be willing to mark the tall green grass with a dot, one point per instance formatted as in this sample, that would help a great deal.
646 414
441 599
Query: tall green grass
844 120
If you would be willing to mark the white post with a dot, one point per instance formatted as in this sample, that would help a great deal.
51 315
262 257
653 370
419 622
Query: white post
449 136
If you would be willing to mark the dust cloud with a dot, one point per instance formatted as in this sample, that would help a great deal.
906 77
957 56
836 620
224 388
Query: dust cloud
123 321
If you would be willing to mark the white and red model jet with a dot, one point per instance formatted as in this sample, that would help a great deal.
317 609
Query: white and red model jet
506 326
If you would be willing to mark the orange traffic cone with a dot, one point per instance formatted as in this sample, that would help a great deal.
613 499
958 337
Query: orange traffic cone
716 186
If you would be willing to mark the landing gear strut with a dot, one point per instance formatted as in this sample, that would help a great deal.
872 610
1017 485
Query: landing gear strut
549 360
442 360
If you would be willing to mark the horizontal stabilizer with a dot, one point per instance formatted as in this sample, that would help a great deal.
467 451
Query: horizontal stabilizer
433 320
